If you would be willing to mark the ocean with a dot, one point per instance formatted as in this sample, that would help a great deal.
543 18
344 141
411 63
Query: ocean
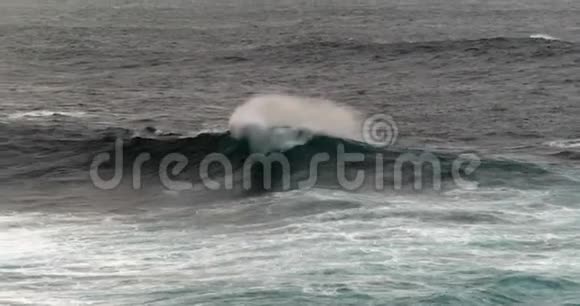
128 127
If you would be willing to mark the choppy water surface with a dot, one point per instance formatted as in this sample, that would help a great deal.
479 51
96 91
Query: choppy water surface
496 80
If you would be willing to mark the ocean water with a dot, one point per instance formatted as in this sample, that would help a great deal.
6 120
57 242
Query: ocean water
495 85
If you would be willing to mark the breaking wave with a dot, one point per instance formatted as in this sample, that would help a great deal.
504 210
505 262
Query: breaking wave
543 36
280 122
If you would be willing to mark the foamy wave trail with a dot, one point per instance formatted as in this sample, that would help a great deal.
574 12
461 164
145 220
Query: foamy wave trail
543 36
564 143
45 113
280 122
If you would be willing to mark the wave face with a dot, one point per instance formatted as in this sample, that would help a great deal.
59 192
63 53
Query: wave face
57 157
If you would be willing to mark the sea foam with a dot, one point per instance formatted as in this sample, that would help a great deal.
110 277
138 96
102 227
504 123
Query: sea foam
277 121
543 36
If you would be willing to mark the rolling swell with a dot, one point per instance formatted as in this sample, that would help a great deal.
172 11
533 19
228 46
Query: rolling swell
53 152
501 48
299 157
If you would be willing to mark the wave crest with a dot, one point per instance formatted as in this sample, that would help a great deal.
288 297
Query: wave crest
277 121
543 36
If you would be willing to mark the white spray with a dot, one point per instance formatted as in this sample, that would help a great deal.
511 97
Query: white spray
320 116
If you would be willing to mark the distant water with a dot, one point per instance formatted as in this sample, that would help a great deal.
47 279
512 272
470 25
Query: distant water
493 83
